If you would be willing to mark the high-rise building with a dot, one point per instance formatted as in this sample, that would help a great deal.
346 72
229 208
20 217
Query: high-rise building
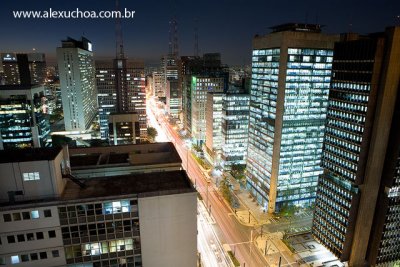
158 84
23 118
78 84
23 68
188 66
135 98
291 69
213 144
235 128
128 205
173 99
201 85
357 207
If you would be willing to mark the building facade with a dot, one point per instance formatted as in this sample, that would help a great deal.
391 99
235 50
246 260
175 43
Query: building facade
200 86
134 81
235 128
173 99
23 118
159 84
97 207
78 84
123 128
291 70
22 68
356 214
213 144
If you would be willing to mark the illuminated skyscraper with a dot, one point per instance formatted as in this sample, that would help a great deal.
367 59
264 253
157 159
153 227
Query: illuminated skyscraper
22 68
23 119
78 85
235 128
291 69
357 214
134 99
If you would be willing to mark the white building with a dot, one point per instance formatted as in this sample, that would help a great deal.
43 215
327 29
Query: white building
200 86
97 206
213 145
78 85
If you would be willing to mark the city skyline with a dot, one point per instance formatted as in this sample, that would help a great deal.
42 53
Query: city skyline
146 35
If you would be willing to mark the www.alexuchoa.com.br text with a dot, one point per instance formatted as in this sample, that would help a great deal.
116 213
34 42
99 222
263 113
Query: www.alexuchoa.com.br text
73 14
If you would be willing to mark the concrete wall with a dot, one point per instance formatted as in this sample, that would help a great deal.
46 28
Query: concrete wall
22 227
11 179
168 230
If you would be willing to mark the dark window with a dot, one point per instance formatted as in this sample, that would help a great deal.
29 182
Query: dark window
11 239
34 257
47 213
30 237
39 235
52 234
16 216
43 255
24 257
21 238
7 217
55 253
26 215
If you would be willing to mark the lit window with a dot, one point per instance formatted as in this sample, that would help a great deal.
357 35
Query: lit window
34 214
31 176
14 259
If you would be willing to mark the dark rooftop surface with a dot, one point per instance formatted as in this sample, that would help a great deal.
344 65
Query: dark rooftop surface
29 154
18 86
159 183
297 27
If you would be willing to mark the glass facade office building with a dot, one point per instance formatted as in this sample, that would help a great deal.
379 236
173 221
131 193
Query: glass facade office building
357 206
288 102
235 129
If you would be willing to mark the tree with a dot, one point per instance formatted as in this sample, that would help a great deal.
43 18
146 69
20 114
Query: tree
237 171
224 186
151 134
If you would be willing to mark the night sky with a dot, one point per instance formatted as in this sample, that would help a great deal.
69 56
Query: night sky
225 26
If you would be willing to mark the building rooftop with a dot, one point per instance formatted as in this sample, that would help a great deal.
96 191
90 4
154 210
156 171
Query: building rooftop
144 184
19 87
140 154
29 154
297 27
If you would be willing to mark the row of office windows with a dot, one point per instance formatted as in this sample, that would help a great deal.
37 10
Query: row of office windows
25 215
107 207
351 140
34 256
30 237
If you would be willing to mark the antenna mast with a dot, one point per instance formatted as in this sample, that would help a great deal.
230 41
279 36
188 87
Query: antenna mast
119 49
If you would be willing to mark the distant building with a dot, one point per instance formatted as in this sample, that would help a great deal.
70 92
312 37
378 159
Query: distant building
23 121
22 68
78 85
213 143
119 205
173 99
235 128
159 84
201 85
357 213
291 70
124 128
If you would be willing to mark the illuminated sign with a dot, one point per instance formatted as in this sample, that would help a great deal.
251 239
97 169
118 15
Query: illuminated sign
89 46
